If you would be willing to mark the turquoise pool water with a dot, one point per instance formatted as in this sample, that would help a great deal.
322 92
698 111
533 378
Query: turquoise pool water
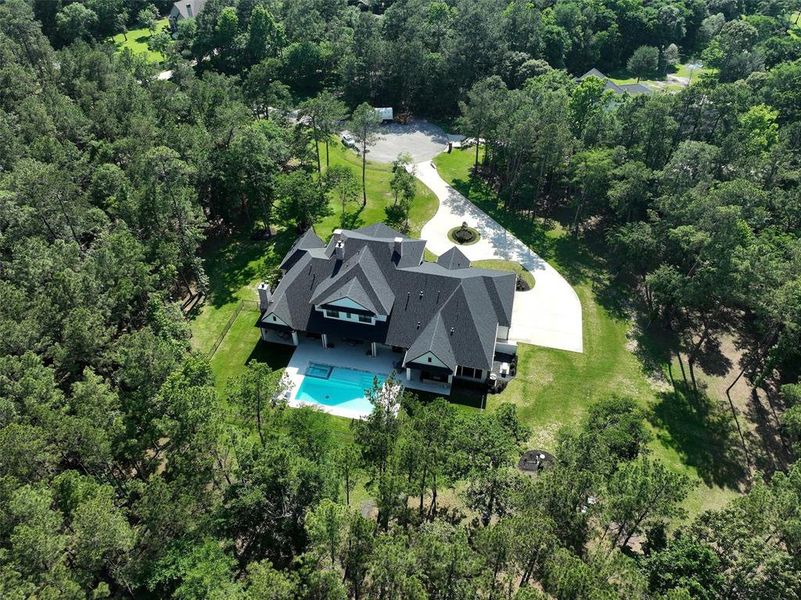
337 387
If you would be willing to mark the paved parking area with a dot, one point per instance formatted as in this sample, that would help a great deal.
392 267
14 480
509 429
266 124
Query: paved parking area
421 139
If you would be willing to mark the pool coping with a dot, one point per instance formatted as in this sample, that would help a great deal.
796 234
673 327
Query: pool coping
309 351
338 411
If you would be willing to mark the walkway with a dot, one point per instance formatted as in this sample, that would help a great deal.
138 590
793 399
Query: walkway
548 315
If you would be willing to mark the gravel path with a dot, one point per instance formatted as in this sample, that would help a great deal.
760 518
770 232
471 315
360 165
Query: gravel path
548 315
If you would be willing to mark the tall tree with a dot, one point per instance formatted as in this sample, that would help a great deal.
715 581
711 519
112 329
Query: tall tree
364 127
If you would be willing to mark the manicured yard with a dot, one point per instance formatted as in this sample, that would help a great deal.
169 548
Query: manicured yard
506 265
236 265
379 195
554 388
137 41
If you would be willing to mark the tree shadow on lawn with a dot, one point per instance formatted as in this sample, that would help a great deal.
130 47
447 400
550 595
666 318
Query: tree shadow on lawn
578 259
273 355
533 234
701 431
233 262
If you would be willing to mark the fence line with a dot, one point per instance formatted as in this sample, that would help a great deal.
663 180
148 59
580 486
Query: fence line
239 307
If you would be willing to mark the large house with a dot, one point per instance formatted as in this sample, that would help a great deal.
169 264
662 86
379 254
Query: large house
444 320
185 9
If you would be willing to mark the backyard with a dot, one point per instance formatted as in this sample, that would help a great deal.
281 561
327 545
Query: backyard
136 41
689 71
224 326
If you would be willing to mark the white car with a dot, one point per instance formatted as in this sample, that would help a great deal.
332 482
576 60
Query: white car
348 141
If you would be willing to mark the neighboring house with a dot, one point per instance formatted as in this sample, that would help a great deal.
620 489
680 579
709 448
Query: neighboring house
185 9
443 319
633 89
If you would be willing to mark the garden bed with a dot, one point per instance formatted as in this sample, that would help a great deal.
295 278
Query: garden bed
464 235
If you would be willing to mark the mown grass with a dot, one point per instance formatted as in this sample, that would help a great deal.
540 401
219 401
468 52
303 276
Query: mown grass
554 388
236 265
622 76
506 265
137 40
379 195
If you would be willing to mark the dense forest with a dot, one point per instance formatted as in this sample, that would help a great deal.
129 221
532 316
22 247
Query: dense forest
124 470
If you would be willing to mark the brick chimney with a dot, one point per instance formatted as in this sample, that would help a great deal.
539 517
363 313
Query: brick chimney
265 294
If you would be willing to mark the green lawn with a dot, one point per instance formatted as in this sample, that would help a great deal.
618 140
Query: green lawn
684 70
506 265
554 388
236 265
379 195
137 41
622 76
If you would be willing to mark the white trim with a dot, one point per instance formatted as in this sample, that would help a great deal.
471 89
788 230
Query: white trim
423 359
346 302
273 318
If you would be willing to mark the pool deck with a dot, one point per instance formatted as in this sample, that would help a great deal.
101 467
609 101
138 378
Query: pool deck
348 357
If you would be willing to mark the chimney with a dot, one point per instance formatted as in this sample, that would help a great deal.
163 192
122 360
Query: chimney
265 295
339 244
398 246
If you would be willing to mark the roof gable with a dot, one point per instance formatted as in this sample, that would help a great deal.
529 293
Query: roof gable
433 339
454 259
360 279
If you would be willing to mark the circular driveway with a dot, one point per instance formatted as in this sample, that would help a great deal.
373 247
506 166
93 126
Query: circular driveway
548 315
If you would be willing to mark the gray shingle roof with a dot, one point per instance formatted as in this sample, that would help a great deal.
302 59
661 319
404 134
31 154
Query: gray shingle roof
360 279
446 307
454 259
307 241
181 7
380 231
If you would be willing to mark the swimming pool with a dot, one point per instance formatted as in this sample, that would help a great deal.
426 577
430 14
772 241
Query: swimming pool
337 387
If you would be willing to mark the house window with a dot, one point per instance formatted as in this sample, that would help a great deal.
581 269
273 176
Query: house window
334 314
468 372
365 319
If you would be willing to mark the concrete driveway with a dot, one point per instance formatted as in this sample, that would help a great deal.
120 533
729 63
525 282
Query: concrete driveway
547 315
421 139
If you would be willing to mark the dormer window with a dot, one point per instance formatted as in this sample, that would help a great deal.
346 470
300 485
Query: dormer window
333 314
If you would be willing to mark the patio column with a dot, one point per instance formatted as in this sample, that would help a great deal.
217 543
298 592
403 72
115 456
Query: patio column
295 337
373 349
408 374
264 334
325 340
450 379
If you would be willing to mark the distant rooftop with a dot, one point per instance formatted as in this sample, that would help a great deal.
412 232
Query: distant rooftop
633 89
